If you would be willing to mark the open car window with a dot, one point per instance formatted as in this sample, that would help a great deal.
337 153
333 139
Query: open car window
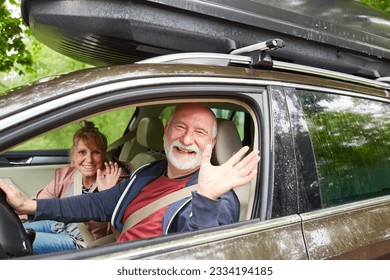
120 125
112 124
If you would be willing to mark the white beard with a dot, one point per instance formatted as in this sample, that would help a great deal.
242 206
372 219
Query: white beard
182 162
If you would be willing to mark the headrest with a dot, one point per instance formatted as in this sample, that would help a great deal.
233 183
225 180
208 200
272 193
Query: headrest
228 142
150 133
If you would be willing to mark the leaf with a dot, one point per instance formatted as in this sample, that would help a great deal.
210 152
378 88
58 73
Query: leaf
13 52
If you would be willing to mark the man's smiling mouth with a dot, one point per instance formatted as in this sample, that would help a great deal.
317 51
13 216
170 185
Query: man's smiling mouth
183 150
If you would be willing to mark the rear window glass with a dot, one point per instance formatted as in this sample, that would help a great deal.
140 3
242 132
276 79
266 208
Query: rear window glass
351 142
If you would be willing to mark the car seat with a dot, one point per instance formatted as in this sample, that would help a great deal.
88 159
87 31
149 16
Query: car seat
228 143
150 134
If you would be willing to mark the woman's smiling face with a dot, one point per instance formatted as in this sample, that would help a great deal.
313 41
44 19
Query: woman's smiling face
87 158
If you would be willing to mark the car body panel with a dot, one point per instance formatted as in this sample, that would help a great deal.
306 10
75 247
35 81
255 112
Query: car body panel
354 231
269 240
283 198
308 188
272 244
274 239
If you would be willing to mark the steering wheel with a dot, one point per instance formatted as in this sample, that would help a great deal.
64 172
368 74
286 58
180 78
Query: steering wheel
14 241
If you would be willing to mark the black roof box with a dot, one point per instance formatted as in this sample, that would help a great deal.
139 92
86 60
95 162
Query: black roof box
340 35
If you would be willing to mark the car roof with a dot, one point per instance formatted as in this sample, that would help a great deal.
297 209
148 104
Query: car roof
344 36
59 86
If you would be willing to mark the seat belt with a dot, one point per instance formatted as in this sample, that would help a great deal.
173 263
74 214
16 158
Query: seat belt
126 137
147 210
78 189
77 183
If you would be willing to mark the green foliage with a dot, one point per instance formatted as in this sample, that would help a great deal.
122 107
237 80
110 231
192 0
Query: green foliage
112 124
383 5
46 63
22 58
13 52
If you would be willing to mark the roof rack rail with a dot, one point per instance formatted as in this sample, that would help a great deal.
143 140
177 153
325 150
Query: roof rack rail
298 68
200 58
268 45
259 52
257 56
383 79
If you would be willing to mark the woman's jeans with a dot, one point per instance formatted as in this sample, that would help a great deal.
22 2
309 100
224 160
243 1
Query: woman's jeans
47 241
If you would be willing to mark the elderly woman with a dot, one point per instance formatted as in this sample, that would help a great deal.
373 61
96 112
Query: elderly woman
88 172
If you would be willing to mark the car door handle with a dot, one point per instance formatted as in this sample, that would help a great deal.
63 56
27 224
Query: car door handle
23 161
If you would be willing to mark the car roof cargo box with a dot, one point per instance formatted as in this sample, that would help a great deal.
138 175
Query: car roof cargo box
340 35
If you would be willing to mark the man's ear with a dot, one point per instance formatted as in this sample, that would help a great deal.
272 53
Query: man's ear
166 128
213 142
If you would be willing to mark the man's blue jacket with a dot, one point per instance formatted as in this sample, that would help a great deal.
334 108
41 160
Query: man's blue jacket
190 213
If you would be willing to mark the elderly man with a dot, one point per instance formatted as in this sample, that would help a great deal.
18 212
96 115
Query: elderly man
189 137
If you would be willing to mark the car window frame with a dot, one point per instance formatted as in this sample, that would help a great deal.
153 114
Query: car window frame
240 92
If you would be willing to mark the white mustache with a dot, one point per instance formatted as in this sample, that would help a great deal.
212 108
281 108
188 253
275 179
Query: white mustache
190 148
177 162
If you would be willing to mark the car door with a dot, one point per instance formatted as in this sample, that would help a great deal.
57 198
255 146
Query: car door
349 135
272 229
31 170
